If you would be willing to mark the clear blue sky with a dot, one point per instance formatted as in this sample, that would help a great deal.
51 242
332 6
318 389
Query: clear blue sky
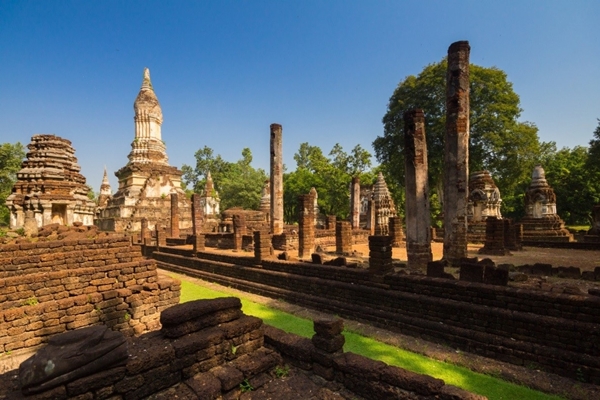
224 70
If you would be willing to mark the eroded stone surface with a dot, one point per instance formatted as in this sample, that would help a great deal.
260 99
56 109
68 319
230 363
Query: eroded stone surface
49 184
147 181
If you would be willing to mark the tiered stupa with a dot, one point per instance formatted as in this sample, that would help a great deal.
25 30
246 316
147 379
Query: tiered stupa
384 206
49 186
541 223
484 201
265 200
210 203
105 192
147 181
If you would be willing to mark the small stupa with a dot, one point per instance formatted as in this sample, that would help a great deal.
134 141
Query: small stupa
541 222
105 191
484 201
147 181
265 200
384 206
49 187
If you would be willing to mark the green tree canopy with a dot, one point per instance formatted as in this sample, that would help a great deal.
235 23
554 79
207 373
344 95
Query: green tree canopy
499 143
11 156
238 183
330 176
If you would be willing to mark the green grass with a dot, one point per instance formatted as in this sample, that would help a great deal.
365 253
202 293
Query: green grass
578 228
486 385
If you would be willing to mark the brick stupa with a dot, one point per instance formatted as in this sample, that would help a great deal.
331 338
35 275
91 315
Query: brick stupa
49 186
541 222
384 206
147 181
484 201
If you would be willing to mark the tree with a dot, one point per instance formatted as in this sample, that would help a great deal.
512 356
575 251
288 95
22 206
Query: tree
594 150
238 183
11 156
330 176
576 186
499 143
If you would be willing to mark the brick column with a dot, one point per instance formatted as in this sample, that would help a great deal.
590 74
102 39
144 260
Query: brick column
343 237
355 202
239 230
456 152
328 341
306 226
418 217
276 180
174 216
371 217
197 214
144 230
494 237
331 220
380 254
396 231
161 236
199 242
262 245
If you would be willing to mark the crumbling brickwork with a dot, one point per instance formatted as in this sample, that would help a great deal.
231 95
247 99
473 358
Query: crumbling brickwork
50 287
456 152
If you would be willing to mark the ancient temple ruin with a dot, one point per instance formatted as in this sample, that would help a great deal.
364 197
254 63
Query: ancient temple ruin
484 201
147 181
49 186
456 151
541 222
384 206
105 192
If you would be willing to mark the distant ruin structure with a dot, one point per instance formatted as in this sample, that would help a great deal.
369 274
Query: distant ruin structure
456 152
147 181
105 191
265 201
210 203
49 187
418 217
384 207
355 203
276 180
484 202
541 222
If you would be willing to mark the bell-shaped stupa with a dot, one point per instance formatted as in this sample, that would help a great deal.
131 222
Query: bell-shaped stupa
541 222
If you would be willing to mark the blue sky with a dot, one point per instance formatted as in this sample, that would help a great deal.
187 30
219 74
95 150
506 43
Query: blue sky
224 71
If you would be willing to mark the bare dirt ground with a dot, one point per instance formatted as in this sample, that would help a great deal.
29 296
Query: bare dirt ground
524 375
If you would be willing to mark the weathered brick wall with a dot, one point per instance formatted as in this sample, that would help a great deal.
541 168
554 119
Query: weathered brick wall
51 287
557 331
207 349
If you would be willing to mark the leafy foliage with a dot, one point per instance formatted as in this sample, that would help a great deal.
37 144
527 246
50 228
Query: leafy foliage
330 176
499 143
11 156
576 185
237 183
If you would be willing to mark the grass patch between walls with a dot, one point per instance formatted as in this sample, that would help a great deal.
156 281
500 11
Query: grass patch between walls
486 385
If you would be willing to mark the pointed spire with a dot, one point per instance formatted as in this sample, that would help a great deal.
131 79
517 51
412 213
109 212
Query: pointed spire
105 177
146 82
105 186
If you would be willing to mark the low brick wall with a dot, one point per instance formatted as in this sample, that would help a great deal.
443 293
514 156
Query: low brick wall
363 376
208 349
78 283
558 332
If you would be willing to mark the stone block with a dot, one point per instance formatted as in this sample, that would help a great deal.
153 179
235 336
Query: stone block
495 276
328 328
471 272
435 269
